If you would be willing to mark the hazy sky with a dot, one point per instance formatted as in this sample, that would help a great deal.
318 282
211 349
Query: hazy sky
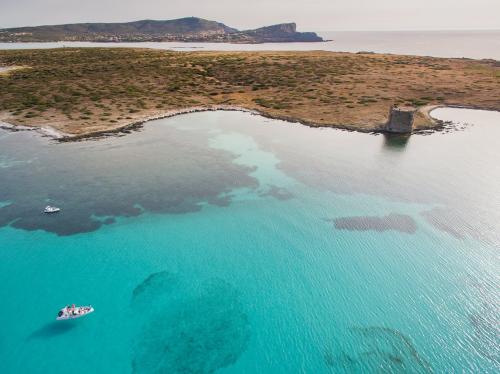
311 15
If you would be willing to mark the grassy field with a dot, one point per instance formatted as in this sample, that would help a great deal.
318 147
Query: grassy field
86 90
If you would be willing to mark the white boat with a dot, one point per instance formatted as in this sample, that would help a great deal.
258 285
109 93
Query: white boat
72 312
51 209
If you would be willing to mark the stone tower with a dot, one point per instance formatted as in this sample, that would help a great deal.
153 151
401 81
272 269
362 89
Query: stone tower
400 120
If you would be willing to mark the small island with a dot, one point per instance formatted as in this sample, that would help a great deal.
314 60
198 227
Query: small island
87 91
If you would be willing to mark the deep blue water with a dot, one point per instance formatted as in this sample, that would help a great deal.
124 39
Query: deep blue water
225 242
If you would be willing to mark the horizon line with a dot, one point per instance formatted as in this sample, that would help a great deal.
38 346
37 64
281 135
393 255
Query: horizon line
409 30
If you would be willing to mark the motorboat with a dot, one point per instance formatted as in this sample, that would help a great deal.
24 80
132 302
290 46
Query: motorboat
51 209
72 312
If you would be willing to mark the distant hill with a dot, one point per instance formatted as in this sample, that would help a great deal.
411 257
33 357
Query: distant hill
190 29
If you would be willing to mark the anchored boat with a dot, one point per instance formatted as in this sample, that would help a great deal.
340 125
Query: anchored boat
51 209
72 312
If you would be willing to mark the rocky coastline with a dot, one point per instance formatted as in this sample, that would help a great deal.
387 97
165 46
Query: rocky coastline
125 128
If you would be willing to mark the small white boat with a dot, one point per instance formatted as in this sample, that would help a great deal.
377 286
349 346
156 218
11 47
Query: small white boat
51 209
72 312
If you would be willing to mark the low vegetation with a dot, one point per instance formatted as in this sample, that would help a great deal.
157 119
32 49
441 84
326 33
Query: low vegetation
86 90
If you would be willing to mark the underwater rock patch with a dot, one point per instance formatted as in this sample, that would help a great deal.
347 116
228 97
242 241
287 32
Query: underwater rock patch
464 223
443 221
339 360
378 349
155 284
399 350
199 328
162 170
397 222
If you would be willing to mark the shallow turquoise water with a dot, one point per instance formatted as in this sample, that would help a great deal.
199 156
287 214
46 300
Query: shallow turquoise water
225 242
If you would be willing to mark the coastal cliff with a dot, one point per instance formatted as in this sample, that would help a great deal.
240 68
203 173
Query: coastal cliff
285 32
191 29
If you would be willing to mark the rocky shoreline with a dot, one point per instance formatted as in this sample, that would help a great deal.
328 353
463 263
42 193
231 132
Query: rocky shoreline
49 131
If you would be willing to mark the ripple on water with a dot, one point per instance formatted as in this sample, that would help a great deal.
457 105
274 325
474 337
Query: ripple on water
195 327
485 322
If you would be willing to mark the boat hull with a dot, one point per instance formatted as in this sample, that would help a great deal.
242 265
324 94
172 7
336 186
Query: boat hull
66 314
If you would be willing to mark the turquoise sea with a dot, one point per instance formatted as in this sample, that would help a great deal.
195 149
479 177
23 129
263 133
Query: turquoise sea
230 243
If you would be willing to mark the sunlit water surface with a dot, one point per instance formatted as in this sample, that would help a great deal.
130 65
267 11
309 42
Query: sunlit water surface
466 43
225 242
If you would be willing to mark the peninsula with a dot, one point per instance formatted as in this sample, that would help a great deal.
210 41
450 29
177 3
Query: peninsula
191 29
85 91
